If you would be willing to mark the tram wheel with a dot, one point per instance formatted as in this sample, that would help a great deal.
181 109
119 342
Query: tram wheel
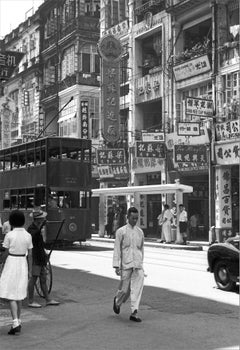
48 281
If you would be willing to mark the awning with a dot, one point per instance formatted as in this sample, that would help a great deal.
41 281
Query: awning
67 117
147 189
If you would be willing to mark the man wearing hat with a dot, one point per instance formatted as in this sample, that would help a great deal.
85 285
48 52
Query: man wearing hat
39 258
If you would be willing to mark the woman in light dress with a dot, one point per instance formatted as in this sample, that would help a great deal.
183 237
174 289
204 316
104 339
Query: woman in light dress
166 225
17 267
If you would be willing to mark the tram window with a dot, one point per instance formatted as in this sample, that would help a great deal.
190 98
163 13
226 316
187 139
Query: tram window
82 199
6 200
22 198
40 196
22 159
14 161
14 201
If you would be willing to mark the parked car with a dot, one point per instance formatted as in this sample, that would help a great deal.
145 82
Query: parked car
223 261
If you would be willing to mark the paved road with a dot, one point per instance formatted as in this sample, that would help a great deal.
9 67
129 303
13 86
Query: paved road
181 307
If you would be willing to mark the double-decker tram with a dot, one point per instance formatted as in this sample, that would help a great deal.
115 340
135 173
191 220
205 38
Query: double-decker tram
52 173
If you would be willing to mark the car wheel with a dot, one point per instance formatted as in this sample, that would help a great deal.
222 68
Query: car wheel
222 276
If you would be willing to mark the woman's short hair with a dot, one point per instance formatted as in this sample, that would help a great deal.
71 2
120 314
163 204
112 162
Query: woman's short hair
16 218
132 210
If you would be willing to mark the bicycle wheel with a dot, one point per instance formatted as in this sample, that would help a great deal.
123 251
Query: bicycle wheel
49 281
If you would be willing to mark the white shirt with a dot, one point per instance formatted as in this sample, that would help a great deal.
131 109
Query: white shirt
18 241
183 216
128 247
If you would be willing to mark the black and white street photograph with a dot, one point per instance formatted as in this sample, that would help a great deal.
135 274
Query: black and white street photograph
119 174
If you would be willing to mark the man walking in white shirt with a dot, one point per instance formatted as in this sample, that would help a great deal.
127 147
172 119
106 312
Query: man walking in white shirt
128 263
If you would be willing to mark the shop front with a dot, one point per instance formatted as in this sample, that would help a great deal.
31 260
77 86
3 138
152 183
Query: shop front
227 189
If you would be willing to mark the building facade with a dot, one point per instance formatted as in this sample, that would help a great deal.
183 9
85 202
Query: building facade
182 115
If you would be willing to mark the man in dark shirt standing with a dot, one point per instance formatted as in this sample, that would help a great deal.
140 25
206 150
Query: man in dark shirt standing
39 258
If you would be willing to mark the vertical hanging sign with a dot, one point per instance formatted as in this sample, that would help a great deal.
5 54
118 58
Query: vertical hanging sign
110 50
84 119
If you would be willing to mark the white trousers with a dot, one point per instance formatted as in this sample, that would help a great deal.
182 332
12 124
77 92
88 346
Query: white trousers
131 284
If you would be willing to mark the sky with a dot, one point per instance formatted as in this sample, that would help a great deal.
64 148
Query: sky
14 12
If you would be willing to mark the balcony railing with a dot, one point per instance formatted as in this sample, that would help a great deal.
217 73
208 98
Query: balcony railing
148 87
80 78
229 53
142 6
83 23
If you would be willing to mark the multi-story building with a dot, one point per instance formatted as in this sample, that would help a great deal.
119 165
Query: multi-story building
22 90
70 62
205 66
144 93
183 75
56 88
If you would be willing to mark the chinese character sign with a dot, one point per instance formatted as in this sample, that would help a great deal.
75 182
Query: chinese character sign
223 200
8 62
228 153
111 156
110 50
150 149
198 106
192 68
228 130
84 119
192 154
143 211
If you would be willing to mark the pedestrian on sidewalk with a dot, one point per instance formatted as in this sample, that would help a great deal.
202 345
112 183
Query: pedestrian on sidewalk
40 259
183 223
128 263
14 278
166 225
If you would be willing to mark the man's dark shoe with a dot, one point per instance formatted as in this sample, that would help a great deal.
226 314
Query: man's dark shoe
135 318
116 308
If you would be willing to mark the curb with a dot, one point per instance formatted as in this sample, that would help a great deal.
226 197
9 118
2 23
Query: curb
190 246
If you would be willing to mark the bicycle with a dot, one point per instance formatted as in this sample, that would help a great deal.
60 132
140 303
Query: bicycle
49 274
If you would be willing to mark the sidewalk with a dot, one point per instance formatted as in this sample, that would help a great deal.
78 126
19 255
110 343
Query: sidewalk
153 242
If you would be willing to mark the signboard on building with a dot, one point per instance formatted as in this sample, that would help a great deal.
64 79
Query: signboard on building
228 153
192 68
111 156
150 149
223 198
147 165
118 30
188 129
110 49
152 136
28 138
9 60
190 153
143 211
84 119
228 130
113 171
199 106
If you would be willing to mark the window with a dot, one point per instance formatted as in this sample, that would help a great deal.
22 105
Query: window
230 100
86 62
68 66
90 61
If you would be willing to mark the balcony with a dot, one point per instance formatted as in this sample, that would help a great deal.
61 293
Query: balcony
142 6
229 53
181 6
81 23
148 88
80 78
